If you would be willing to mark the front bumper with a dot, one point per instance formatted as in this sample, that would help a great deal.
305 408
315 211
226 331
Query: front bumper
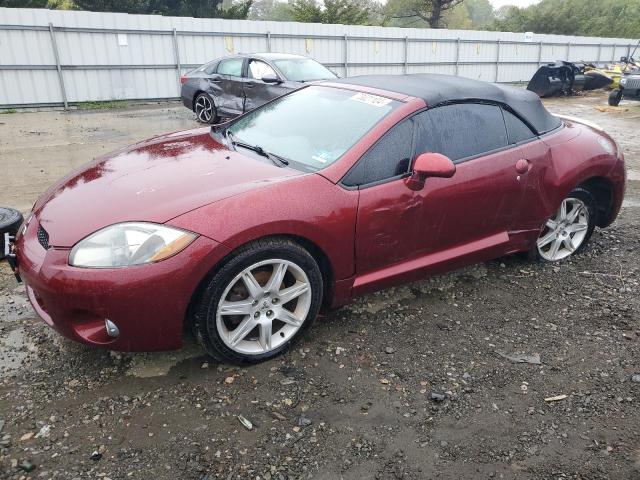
148 303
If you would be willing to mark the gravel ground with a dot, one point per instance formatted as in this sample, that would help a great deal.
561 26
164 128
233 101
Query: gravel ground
506 369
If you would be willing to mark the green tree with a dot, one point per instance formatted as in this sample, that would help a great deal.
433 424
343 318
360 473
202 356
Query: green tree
24 3
431 12
480 12
346 12
602 18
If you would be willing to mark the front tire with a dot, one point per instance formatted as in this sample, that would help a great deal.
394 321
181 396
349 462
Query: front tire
259 302
569 230
615 97
204 108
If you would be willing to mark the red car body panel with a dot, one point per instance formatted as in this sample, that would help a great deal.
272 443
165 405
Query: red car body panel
371 238
149 314
163 177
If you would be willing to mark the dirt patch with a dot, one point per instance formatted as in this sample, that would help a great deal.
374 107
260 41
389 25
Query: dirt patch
409 383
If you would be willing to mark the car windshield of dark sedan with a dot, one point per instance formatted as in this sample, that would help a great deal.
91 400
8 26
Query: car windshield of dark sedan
303 70
312 127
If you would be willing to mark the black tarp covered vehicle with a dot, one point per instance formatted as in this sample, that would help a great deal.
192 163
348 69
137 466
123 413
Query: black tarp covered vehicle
565 78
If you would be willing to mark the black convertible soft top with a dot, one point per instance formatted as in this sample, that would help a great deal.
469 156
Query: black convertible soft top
436 89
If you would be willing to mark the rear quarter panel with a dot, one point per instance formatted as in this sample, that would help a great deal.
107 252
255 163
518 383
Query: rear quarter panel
576 153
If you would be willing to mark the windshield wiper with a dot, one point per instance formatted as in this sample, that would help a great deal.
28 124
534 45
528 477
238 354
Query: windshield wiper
277 159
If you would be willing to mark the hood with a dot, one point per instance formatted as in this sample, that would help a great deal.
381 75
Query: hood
152 181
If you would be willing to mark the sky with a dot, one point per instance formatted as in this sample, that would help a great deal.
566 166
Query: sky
517 3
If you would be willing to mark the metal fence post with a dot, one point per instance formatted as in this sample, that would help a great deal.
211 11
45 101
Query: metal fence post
176 54
613 55
497 60
54 46
628 52
268 41
599 54
539 54
346 55
568 51
457 56
406 54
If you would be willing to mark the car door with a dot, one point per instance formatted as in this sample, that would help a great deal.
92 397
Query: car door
404 233
536 157
231 98
256 91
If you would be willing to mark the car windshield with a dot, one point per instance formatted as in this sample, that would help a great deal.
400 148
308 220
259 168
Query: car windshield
312 127
303 69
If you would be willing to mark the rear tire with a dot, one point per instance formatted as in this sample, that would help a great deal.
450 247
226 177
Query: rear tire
569 230
615 97
10 221
259 302
204 108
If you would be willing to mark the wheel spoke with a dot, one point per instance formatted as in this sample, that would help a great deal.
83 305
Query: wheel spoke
562 212
554 248
292 292
574 213
242 330
265 335
549 237
568 242
242 307
576 227
551 224
277 277
253 287
289 318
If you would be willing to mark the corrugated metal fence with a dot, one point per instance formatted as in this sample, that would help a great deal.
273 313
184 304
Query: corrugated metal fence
52 57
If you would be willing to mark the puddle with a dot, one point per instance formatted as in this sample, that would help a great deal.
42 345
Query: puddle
158 364
14 350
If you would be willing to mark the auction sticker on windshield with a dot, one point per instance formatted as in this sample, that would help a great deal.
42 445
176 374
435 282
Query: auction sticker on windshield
369 99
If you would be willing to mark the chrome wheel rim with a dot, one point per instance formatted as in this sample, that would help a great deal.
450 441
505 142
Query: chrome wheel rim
263 307
204 109
563 234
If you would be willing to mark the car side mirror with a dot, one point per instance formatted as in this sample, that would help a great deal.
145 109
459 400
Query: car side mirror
270 78
623 59
430 165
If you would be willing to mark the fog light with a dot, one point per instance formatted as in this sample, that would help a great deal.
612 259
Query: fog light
112 329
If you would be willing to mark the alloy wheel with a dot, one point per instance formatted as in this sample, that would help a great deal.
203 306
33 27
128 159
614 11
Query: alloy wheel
564 234
204 109
263 306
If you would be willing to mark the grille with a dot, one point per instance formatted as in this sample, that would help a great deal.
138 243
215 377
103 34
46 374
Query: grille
43 237
632 82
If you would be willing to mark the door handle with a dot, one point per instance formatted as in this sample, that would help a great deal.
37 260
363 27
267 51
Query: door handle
523 165
249 84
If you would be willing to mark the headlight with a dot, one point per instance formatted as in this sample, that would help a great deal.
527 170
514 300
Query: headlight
623 81
126 244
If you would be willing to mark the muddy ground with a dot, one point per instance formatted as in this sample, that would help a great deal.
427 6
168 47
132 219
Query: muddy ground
409 383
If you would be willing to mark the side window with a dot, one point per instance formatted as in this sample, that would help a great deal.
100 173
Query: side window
231 66
389 157
258 69
461 130
210 68
517 131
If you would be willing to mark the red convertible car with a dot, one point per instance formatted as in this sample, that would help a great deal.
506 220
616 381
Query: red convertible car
247 229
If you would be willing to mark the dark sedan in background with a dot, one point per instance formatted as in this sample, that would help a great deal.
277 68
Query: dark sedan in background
229 86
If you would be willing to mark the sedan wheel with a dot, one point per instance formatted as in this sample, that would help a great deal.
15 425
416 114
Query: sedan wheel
204 109
259 302
263 306
569 230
